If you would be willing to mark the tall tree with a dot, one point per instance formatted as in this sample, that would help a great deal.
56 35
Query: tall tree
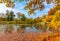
10 15
7 15
23 17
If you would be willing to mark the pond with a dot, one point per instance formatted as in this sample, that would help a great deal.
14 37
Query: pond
18 32
26 28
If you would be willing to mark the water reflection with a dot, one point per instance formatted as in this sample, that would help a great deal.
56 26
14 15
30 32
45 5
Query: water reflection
18 27
22 27
24 32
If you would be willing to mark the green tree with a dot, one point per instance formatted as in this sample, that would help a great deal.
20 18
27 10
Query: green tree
10 15
29 20
23 17
7 15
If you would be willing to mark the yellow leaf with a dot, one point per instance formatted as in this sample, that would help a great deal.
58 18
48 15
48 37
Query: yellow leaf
0 1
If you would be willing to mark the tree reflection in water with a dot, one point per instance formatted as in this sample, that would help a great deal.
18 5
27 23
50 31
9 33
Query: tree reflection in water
9 29
22 28
22 34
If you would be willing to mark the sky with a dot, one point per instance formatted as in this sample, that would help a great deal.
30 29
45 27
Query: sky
19 7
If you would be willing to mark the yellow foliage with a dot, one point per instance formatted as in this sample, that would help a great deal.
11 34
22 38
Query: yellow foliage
6 0
52 24
55 22
0 1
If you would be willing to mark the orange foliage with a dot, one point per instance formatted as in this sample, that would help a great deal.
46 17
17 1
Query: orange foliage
54 9
49 17
53 25
53 38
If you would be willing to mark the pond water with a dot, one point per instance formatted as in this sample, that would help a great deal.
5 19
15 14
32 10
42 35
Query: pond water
18 32
21 27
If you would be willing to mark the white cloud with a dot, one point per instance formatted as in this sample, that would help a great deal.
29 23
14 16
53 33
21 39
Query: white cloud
3 8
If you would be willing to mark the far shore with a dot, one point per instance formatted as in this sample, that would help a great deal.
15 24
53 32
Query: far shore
13 22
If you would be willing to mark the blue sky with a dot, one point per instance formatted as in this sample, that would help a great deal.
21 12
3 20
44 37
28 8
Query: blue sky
19 7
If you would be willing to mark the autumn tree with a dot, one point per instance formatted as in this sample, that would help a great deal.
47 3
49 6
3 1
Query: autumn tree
55 22
32 5
38 19
54 9
53 17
